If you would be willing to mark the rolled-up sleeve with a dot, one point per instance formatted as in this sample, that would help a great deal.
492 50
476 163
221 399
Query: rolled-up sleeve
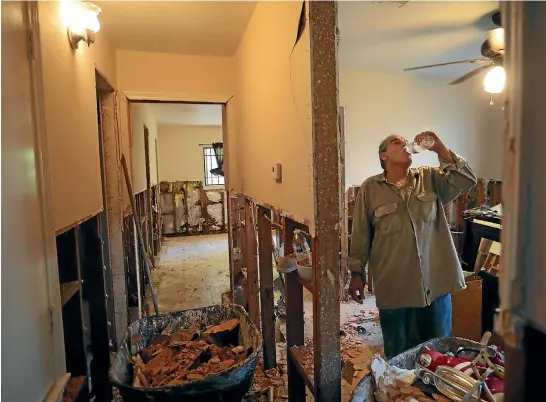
361 236
453 178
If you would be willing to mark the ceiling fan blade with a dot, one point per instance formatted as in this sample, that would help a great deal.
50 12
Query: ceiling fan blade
448 63
472 73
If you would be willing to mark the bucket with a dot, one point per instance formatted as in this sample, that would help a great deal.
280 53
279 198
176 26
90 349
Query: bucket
230 385
364 390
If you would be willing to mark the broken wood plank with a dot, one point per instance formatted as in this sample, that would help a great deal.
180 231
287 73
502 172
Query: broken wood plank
327 174
68 290
265 246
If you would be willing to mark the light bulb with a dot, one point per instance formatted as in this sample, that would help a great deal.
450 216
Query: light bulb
495 80
78 16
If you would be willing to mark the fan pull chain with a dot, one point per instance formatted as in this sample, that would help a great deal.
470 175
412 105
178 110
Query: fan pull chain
491 99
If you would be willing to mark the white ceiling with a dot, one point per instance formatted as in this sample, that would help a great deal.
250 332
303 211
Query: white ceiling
189 27
385 37
186 114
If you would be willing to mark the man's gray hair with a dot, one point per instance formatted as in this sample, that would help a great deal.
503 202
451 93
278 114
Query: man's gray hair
383 148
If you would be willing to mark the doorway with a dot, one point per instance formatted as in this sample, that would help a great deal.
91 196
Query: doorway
183 187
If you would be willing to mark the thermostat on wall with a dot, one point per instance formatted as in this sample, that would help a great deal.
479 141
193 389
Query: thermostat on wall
276 171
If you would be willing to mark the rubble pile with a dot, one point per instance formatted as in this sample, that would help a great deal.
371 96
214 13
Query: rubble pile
188 355
265 379
469 372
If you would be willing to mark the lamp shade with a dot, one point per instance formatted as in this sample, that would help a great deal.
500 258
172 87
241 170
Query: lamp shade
79 16
495 80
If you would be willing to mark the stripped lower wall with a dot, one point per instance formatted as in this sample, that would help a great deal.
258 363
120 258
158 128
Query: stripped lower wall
188 208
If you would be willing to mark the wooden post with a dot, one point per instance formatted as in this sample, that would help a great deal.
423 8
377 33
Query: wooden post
240 256
265 246
251 259
328 199
231 245
294 317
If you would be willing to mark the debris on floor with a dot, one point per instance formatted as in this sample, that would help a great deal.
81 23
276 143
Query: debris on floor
272 382
362 323
188 355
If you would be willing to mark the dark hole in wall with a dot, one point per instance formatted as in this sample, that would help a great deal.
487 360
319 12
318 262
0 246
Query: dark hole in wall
301 24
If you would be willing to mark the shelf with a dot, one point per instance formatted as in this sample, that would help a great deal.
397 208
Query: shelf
68 290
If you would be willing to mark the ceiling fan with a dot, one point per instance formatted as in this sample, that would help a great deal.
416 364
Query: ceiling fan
492 51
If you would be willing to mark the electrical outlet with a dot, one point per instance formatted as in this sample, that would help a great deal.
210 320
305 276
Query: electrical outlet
276 173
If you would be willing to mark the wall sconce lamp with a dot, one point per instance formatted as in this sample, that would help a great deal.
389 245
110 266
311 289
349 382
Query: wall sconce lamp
83 22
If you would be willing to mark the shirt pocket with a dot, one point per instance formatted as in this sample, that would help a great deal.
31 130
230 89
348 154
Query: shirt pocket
427 206
386 219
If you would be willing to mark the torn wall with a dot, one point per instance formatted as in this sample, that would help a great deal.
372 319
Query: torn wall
188 208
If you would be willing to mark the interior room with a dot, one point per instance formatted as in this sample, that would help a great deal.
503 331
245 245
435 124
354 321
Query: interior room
468 119
185 139
185 215
378 40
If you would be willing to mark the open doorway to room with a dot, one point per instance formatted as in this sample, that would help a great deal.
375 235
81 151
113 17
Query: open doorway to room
183 186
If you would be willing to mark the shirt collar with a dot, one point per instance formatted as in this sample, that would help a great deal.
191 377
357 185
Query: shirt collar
383 177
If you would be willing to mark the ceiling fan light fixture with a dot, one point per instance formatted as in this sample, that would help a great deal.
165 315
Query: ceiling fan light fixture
496 40
494 80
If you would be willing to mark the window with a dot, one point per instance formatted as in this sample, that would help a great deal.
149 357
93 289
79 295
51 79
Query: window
210 163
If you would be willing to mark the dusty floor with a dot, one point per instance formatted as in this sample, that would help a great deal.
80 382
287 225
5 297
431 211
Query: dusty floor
361 337
193 272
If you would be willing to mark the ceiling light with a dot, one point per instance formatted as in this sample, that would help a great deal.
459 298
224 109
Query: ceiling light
81 19
496 40
495 80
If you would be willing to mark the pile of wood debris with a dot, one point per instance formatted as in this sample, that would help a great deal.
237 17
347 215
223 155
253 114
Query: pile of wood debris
188 355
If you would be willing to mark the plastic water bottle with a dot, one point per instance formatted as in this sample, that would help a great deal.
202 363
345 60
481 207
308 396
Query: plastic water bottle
301 247
426 143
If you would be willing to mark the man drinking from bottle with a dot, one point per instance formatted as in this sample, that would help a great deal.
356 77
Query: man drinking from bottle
401 232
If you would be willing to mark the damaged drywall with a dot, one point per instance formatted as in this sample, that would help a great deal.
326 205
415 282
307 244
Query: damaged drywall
188 208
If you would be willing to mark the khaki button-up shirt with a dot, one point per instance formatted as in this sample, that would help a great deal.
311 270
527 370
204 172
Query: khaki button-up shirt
406 242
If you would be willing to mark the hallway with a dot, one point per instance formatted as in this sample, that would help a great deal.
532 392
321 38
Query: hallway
193 272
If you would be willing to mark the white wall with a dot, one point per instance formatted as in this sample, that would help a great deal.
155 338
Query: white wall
179 152
378 104
142 116
33 357
70 109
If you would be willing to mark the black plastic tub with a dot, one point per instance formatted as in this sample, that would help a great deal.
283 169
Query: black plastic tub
230 385
364 390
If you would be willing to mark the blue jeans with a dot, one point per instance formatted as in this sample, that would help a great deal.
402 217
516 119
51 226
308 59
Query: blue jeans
405 328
